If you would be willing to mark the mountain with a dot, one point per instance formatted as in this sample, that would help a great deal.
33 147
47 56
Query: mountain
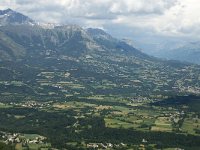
69 60
9 16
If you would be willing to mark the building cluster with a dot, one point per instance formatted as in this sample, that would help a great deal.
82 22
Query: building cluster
13 138
105 145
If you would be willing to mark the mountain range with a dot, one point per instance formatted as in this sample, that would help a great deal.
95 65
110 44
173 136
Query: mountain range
96 61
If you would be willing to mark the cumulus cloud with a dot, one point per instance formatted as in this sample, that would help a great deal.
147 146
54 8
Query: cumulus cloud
166 17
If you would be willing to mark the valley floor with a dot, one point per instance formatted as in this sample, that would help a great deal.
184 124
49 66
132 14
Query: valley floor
101 122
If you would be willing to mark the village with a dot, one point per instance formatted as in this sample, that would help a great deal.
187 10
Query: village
24 140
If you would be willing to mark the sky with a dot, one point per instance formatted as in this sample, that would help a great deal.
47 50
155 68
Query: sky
140 20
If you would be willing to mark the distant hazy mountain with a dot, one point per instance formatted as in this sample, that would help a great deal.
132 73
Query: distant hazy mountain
189 52
171 48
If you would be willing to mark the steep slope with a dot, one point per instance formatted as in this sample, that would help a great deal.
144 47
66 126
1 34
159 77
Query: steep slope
9 49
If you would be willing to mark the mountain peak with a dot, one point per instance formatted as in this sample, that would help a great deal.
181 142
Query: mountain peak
6 11
11 17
